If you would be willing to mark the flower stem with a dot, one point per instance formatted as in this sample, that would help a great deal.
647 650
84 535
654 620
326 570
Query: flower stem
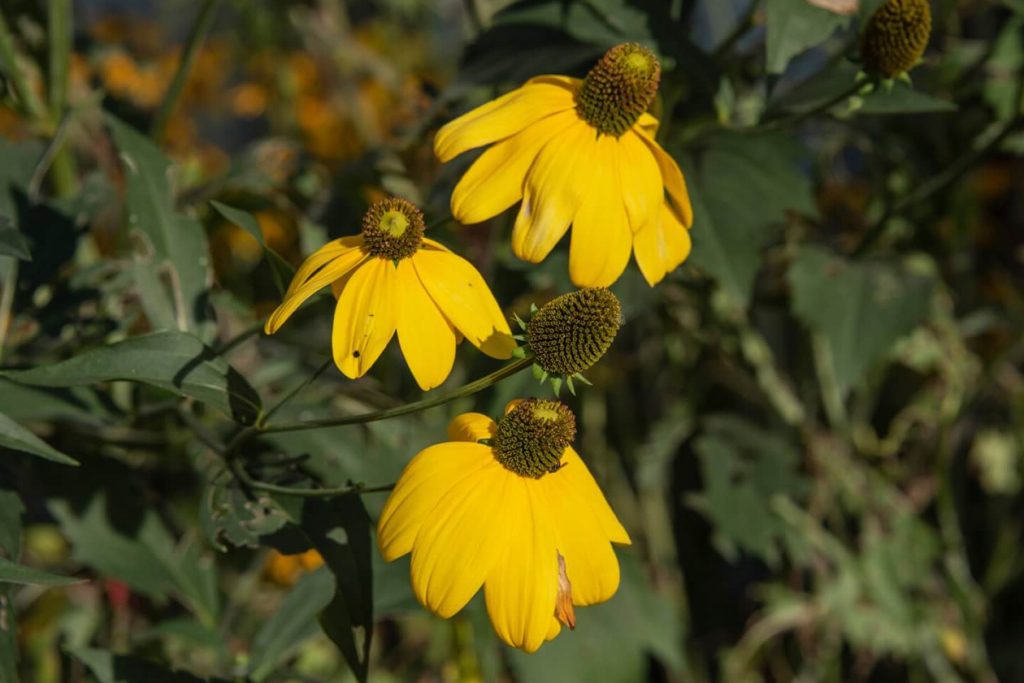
238 469
30 102
415 407
188 58
295 392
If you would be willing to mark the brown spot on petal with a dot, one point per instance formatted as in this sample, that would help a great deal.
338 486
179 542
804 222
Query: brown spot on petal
563 602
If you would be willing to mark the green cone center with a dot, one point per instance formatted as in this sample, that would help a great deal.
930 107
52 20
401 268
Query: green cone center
896 36
393 229
532 437
619 89
572 332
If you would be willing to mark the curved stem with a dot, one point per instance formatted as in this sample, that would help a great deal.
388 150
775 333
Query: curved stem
238 470
787 121
295 392
415 407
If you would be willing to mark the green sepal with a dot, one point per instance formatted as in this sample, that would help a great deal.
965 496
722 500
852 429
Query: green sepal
519 351
556 384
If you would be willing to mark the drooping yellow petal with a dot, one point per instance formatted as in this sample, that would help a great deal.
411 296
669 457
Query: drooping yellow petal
471 427
466 301
321 257
494 182
521 589
505 116
423 482
601 237
426 337
590 562
674 182
640 178
365 317
557 183
461 540
320 270
648 124
661 245
435 245
582 482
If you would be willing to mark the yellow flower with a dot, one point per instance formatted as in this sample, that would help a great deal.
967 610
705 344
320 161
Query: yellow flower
390 278
509 506
579 152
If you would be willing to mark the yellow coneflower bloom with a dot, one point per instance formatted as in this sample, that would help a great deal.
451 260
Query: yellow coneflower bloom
509 506
579 152
390 278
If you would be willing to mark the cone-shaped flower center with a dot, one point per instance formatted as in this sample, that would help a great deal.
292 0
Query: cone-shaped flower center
571 332
392 229
532 437
619 88
896 37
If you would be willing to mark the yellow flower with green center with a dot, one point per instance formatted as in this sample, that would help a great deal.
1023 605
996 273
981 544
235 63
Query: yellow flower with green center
390 278
511 507
580 153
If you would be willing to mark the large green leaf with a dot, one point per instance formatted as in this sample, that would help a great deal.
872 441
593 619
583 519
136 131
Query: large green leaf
293 623
12 242
339 529
177 241
744 468
175 361
860 308
793 26
16 437
740 194
110 668
12 572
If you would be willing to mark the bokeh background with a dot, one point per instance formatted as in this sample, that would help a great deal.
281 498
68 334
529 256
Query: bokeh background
812 430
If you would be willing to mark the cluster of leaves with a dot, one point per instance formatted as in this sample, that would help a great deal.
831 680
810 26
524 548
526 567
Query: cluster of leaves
812 430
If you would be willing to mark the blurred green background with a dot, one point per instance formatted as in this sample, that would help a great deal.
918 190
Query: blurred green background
812 430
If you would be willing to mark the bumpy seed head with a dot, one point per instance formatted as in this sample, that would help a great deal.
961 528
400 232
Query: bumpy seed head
571 332
532 437
619 88
392 229
896 37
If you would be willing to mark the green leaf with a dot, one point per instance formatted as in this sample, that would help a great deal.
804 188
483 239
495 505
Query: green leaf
743 468
110 668
229 517
175 361
293 624
903 99
178 242
16 437
279 267
12 242
12 572
861 308
339 529
793 26
11 509
740 193
35 403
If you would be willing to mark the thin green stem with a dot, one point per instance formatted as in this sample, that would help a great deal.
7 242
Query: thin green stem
59 17
238 469
784 122
295 392
415 407
30 102
46 161
188 58
240 338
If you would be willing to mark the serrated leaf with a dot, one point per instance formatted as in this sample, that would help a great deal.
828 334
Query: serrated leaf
279 267
229 517
741 193
175 361
861 308
794 26
178 241
12 572
16 437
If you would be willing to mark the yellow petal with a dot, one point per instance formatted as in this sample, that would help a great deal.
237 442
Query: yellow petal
640 178
648 124
321 257
505 116
494 182
434 244
521 589
471 427
365 317
461 540
601 238
661 245
556 185
426 337
321 269
590 562
424 481
674 182
466 301
582 482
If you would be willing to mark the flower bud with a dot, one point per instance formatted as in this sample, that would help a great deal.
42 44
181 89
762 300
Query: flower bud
896 37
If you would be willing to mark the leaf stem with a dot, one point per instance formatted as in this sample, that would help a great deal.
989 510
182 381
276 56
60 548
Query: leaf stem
295 392
784 122
195 40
